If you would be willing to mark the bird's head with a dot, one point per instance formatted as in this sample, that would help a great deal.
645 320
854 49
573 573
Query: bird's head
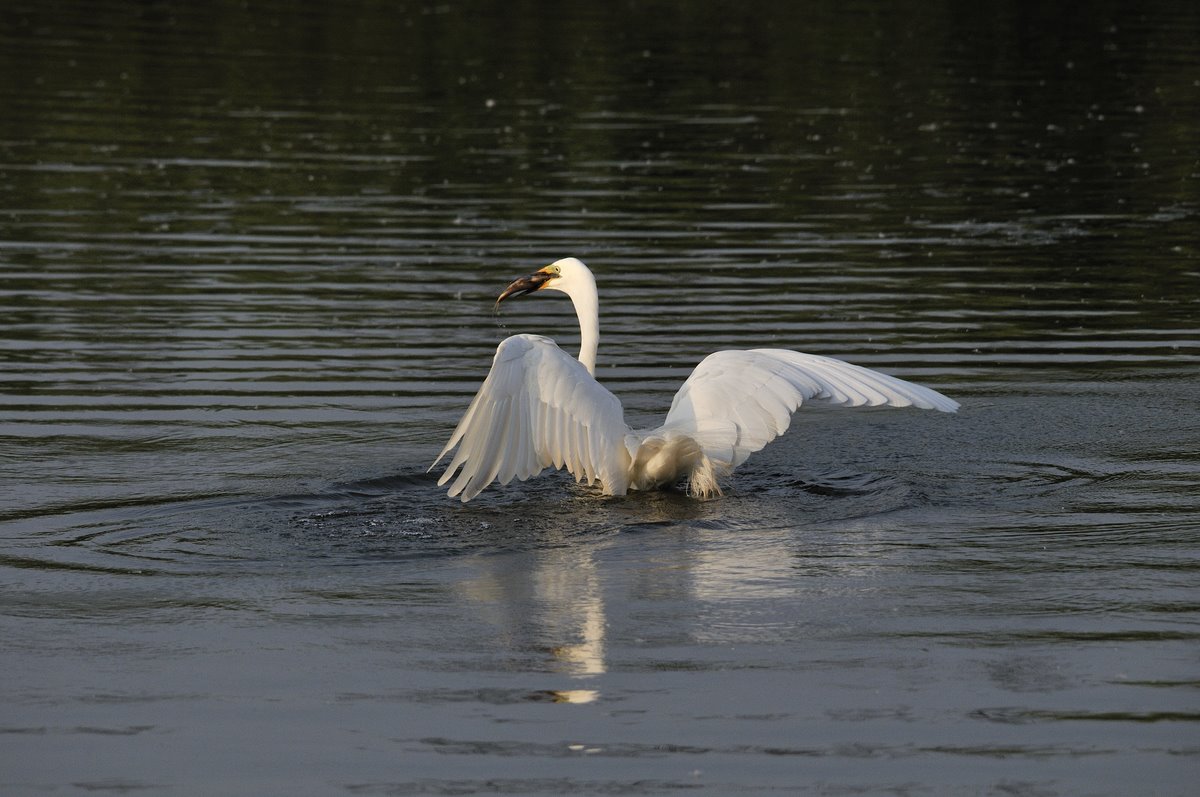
561 275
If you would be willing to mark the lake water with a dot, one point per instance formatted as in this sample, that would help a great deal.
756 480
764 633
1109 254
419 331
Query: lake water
247 264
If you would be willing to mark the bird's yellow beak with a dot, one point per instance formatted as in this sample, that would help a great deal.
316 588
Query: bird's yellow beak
534 282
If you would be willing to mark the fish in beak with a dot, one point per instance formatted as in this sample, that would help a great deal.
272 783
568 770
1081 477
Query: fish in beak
534 282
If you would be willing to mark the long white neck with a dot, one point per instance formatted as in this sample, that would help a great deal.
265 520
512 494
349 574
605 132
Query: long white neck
587 307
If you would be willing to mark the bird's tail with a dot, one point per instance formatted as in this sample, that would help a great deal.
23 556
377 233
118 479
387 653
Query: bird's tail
703 480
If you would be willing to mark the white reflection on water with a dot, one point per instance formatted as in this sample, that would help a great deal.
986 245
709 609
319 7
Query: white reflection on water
559 609
571 600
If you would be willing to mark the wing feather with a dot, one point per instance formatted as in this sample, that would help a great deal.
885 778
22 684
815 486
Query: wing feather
537 407
735 402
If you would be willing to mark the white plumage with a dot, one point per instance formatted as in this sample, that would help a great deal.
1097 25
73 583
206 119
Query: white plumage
541 408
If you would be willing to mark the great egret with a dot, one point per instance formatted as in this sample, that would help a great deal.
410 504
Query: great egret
539 407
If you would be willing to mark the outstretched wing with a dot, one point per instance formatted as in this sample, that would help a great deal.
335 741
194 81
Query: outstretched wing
538 407
736 402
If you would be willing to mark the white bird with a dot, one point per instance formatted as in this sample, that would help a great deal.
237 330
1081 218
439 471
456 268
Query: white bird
539 407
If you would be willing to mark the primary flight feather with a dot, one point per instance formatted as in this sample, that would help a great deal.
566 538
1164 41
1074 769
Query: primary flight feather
540 408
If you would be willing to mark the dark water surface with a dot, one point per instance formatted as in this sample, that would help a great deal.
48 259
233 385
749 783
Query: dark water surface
247 264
